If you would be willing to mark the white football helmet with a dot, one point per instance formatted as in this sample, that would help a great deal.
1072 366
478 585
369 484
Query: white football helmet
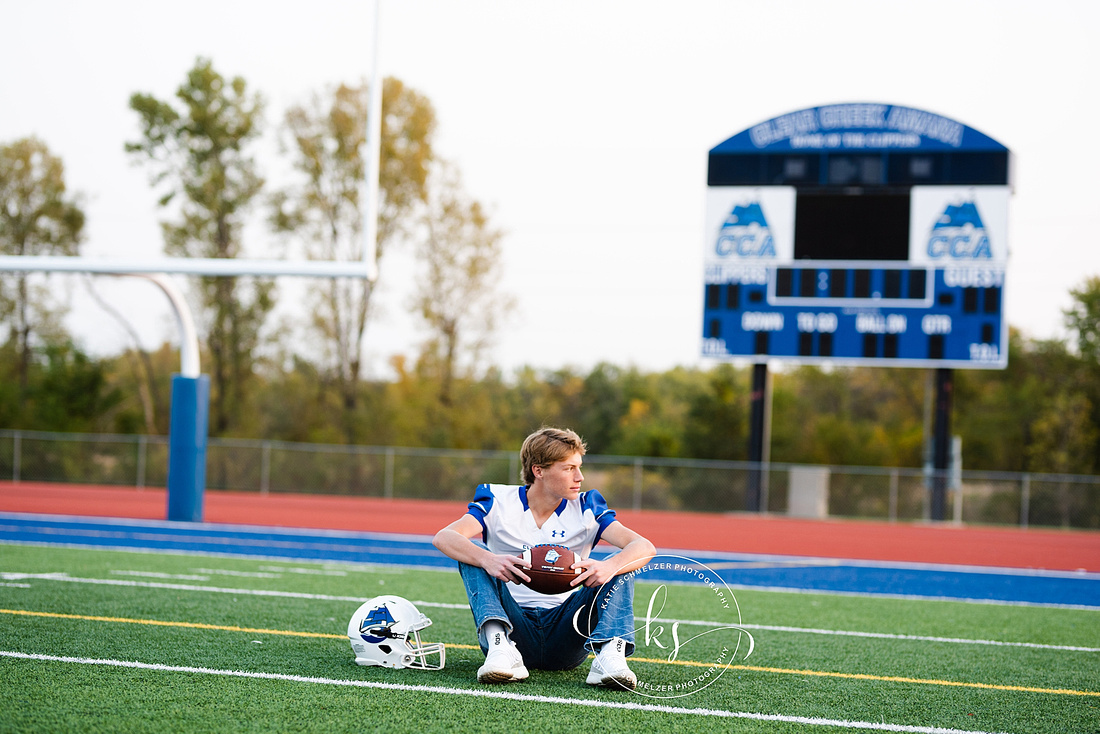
385 631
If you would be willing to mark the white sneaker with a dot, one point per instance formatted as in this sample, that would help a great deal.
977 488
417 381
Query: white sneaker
503 664
610 670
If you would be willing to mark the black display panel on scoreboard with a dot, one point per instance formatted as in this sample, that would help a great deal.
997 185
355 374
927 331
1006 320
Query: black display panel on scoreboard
845 226
859 233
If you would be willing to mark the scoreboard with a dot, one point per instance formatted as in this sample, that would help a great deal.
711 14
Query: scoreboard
861 233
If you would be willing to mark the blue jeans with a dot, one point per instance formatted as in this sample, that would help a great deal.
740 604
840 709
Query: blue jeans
546 637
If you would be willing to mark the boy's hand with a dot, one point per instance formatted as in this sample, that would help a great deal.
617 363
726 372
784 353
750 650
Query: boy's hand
506 568
596 573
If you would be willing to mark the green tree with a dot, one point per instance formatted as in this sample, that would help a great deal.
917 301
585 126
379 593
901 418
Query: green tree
717 421
458 294
1083 318
995 410
37 217
862 416
326 144
198 151
1083 321
598 407
72 393
1064 440
537 398
1063 436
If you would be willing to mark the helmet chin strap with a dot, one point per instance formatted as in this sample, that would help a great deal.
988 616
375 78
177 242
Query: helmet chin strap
383 632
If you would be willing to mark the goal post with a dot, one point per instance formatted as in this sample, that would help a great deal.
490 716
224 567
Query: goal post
223 267
190 407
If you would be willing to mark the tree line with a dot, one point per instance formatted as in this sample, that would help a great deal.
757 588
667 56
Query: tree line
1040 414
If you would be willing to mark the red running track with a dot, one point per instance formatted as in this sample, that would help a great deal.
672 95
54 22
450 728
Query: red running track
1066 550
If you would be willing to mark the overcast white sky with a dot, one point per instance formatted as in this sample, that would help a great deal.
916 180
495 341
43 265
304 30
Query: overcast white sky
584 126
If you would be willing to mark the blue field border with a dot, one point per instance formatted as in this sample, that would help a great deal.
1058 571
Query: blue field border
788 573
236 540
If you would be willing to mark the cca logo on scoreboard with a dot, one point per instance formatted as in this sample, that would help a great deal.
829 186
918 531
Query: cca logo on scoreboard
959 234
745 233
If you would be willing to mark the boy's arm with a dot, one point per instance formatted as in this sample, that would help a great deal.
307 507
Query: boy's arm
454 542
636 552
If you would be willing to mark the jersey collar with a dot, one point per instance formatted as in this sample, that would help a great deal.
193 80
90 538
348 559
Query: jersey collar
523 500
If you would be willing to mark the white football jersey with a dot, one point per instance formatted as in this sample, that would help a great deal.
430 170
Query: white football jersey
508 527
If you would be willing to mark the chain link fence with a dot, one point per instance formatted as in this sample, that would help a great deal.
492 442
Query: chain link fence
639 483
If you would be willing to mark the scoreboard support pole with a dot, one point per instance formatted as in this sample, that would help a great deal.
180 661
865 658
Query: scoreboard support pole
941 441
758 438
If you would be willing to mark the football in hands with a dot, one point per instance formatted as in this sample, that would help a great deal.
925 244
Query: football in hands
550 570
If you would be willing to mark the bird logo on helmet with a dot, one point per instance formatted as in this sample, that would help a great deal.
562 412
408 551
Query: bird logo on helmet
385 631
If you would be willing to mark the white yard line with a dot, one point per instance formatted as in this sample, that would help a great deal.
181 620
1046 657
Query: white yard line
499 695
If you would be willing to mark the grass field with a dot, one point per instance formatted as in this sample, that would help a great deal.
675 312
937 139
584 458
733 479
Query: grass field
102 641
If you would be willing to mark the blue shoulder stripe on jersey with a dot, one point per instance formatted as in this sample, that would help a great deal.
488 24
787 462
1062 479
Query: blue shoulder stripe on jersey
479 508
592 500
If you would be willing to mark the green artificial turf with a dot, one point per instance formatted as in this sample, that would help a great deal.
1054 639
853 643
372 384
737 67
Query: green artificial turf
807 679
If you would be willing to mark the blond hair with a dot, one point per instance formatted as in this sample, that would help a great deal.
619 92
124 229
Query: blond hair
546 446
